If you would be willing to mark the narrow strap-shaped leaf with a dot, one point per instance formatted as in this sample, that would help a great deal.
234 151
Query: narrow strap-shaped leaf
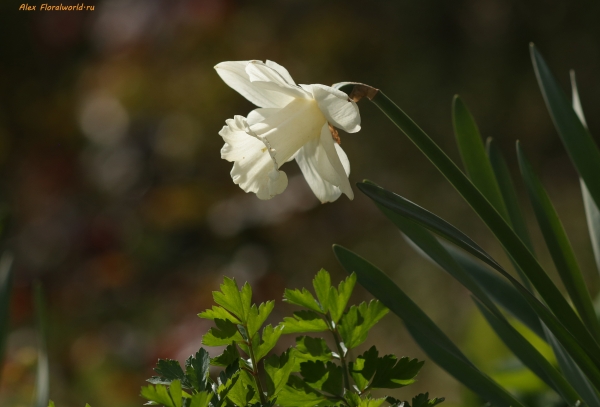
573 374
472 152
394 202
499 289
431 221
577 140
592 213
434 250
526 352
42 379
426 333
502 230
509 194
530 356
6 278
558 245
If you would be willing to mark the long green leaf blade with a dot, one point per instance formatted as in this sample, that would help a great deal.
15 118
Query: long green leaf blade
428 335
502 230
6 279
577 140
509 194
472 152
394 202
530 356
558 245
592 214
584 350
429 245
431 221
42 379
499 289
573 374
510 336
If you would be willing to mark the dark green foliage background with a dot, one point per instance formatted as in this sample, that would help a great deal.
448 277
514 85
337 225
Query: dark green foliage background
126 266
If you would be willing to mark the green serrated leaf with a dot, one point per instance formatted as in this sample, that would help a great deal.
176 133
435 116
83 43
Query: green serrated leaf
369 402
364 367
393 373
322 286
233 300
357 322
352 399
423 400
258 316
218 313
324 377
196 370
296 393
159 395
51 403
302 298
226 380
176 393
385 372
309 348
278 369
229 356
270 336
201 399
224 333
169 368
303 321
229 373
338 299
243 393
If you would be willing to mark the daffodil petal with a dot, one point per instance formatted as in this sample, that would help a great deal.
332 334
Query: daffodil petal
254 169
333 167
237 142
282 71
270 79
234 74
307 161
255 173
258 115
340 111
286 131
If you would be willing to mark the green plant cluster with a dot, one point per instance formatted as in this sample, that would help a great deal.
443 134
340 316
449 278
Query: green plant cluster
306 375
567 323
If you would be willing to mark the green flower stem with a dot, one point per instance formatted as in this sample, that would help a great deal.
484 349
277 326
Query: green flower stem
338 342
263 399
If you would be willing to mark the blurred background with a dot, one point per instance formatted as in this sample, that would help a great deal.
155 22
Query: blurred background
121 206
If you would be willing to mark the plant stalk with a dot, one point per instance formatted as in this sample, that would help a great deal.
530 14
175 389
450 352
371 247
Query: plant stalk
261 393
338 341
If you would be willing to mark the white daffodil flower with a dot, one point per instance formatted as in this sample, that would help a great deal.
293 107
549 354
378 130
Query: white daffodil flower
292 121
